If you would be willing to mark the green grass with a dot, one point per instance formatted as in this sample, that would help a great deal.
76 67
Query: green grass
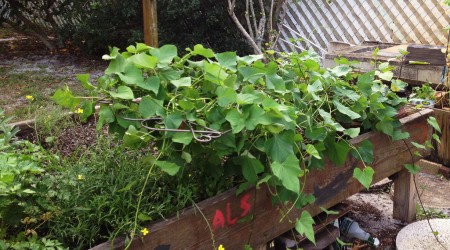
15 86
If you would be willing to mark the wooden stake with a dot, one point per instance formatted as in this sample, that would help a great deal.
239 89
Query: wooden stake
404 197
150 22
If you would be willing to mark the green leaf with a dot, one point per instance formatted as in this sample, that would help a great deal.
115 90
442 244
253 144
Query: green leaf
134 138
304 226
84 80
144 217
182 82
365 176
236 120
254 115
152 83
412 168
165 54
288 173
399 135
311 150
131 75
88 110
417 145
123 92
433 122
149 107
117 65
398 85
315 133
436 138
365 82
225 96
250 59
214 73
227 60
280 146
105 116
183 137
364 152
202 51
352 132
276 82
345 110
341 70
387 76
144 61
65 98
336 151
186 157
251 167
168 167
173 121
243 99
251 74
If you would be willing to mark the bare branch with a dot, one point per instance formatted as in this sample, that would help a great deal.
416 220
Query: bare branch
231 6
247 19
261 25
255 26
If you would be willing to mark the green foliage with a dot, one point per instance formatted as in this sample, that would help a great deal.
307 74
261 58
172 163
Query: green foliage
98 190
223 115
424 92
24 203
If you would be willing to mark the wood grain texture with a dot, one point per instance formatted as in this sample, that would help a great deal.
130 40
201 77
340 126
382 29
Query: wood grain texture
190 229
405 197
442 153
150 22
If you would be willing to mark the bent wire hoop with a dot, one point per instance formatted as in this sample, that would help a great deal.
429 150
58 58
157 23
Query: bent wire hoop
206 135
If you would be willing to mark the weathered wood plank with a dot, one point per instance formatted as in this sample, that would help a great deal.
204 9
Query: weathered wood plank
404 197
426 53
150 22
219 219
442 152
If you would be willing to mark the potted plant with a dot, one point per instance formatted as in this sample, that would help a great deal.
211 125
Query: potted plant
423 96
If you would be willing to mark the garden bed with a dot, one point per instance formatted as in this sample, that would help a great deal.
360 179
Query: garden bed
250 218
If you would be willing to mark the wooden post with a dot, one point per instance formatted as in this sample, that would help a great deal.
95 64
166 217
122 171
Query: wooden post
404 197
150 22
442 153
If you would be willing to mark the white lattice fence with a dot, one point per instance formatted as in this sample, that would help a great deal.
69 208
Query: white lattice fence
314 23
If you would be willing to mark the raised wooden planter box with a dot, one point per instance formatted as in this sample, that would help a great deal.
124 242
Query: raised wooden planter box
218 221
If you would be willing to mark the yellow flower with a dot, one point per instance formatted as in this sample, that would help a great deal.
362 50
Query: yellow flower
144 231
29 97
79 111
221 247
80 177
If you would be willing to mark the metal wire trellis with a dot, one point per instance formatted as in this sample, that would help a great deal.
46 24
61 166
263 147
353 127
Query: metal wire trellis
309 24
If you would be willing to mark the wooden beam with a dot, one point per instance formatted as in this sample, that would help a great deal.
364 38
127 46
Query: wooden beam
251 218
150 22
404 197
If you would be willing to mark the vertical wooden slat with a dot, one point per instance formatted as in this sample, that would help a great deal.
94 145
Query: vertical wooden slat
368 29
351 26
413 28
404 197
150 22
423 23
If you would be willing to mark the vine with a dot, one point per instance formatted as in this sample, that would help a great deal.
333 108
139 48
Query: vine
258 119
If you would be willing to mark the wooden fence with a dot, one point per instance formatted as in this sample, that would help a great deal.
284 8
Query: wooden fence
314 23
